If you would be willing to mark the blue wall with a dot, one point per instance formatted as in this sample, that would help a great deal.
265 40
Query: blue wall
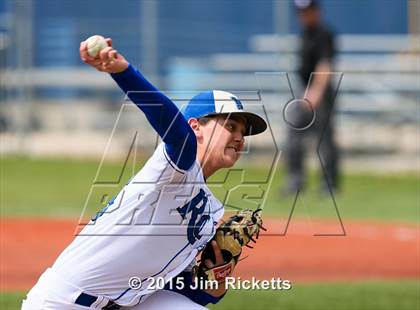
212 26
63 24
188 27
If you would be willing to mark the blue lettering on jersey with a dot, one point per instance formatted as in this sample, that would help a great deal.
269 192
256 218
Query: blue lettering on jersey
196 207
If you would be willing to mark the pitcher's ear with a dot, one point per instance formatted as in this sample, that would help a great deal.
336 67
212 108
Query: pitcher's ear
195 125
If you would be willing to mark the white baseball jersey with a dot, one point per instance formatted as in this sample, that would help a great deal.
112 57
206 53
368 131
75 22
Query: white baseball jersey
153 228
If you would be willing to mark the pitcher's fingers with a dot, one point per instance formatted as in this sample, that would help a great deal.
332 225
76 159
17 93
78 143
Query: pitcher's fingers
100 67
217 253
103 54
109 41
113 55
96 62
84 54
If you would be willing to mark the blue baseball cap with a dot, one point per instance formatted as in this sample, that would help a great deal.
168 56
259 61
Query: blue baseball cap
217 102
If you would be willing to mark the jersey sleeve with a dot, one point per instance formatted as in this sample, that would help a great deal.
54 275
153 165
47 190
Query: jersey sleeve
163 115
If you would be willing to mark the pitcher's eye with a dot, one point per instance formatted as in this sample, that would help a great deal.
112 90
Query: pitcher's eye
230 126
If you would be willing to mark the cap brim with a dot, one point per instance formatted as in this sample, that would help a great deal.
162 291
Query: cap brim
255 123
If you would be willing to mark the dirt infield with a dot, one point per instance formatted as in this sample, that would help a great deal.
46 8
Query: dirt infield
368 251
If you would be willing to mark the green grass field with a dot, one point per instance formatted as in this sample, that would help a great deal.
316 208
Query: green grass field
368 295
383 295
60 187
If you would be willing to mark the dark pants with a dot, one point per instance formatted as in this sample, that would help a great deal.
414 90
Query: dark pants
323 131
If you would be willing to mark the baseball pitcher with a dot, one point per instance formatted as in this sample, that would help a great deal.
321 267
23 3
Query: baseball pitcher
153 230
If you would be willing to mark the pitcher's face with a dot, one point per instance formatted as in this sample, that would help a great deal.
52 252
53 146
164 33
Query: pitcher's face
223 138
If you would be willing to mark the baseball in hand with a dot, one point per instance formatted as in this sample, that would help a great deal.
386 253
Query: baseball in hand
95 44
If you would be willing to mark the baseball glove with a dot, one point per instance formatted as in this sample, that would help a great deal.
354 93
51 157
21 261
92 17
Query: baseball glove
231 236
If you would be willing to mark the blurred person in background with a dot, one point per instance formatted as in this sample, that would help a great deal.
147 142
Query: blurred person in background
316 54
